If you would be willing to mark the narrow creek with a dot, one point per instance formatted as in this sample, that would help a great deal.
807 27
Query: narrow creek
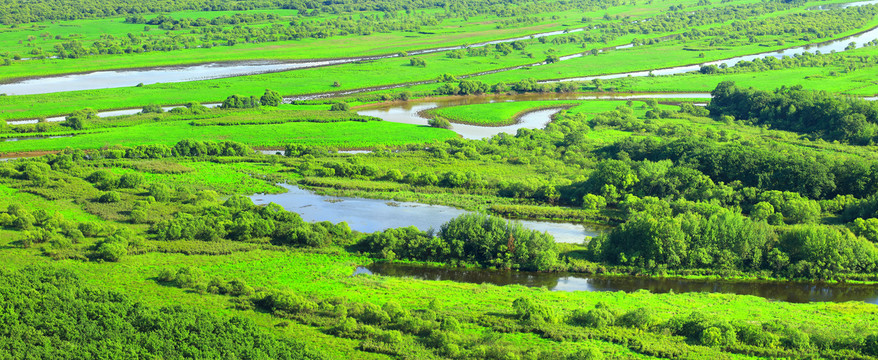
781 291
370 215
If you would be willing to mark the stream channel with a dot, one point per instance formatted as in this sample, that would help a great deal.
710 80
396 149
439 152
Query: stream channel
781 291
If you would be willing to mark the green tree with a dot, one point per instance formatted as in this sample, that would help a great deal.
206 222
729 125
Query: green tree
271 98
418 62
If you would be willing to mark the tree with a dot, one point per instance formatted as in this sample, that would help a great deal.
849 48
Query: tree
418 62
271 98
593 202
78 120
762 211
240 102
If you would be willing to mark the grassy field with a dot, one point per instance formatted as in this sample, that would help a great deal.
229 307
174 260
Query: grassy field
343 135
380 72
448 33
832 78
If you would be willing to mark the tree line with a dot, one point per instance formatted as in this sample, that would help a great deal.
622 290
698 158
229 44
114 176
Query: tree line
818 113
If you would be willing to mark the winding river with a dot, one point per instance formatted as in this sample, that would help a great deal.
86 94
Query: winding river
370 215
782 291
411 112
216 70
132 77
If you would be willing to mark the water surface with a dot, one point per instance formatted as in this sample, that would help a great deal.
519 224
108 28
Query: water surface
370 215
216 70
838 45
411 112
782 291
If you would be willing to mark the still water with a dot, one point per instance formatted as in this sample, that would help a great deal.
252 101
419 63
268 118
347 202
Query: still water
370 215
411 112
782 291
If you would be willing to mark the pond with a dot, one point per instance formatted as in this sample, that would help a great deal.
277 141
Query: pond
782 291
370 215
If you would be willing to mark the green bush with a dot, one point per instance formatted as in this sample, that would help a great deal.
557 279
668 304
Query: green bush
535 312
110 197
340 106
641 318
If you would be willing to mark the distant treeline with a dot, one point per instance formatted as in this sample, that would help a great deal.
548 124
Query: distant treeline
17 11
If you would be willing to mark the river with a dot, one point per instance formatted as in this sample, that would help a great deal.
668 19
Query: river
216 70
169 74
782 291
411 112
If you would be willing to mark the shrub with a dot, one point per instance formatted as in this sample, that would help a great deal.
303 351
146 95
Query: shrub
152 108
439 122
340 106
110 197
642 318
532 311
130 180
112 250
160 192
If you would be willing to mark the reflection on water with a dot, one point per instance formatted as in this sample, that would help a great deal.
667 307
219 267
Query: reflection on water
370 215
411 112
783 291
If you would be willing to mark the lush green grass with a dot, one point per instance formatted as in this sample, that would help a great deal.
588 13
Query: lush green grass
339 135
